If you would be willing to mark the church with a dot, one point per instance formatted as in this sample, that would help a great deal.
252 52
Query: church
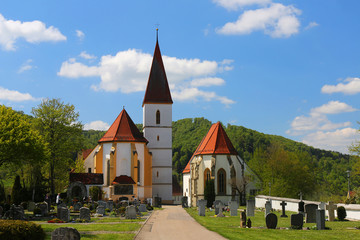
137 165
216 159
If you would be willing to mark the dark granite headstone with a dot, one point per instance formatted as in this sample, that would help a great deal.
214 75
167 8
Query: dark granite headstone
43 207
283 204
320 219
310 210
100 210
301 208
142 208
184 202
65 233
271 221
297 220
157 202
77 206
85 214
64 214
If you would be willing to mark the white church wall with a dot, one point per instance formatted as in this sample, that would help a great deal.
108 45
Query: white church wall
123 159
140 151
161 157
186 185
163 191
149 110
89 160
159 137
106 157
161 175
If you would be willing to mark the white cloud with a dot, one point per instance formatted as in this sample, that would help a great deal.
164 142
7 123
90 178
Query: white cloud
26 66
277 20
32 32
350 86
15 96
311 25
337 140
87 56
128 72
80 35
333 107
97 125
236 4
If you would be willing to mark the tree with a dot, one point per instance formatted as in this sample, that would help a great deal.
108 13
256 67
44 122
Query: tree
209 192
61 130
16 191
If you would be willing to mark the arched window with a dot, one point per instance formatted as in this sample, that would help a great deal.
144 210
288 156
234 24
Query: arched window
206 176
157 117
158 137
221 182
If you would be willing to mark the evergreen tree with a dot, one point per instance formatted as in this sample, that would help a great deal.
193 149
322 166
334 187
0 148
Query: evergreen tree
209 192
16 197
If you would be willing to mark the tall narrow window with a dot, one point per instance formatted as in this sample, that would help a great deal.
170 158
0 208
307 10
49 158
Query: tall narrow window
138 170
157 117
206 176
221 181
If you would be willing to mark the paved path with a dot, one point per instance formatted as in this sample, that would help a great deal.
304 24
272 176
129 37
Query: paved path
174 223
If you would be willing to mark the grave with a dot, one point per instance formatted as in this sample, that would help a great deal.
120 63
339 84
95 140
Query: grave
271 221
243 219
301 208
297 221
100 210
102 203
233 208
310 210
130 212
248 223
85 214
267 208
250 208
65 233
77 206
110 205
217 205
322 206
16 213
184 202
142 208
283 204
201 207
61 205
43 207
320 219
157 202
31 206
64 214
331 207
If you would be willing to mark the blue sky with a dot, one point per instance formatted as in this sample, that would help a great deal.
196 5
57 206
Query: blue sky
289 68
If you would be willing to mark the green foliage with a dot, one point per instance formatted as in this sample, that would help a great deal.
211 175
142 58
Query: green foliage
209 192
2 192
95 193
341 213
16 197
17 229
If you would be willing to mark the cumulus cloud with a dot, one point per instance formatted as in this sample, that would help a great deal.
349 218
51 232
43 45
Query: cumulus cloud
236 4
276 20
96 125
333 107
15 96
349 86
80 35
26 66
128 72
87 56
32 32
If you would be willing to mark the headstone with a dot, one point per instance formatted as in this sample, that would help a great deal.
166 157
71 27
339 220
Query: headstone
184 202
322 206
233 208
124 203
43 207
218 204
331 207
110 205
85 214
16 213
31 206
157 202
77 206
61 205
283 204
142 208
301 208
310 210
243 220
137 203
201 206
102 203
149 201
297 220
250 208
130 212
248 223
65 233
64 214
100 210
271 221
267 208
320 219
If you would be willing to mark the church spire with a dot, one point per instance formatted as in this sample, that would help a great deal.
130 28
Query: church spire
157 90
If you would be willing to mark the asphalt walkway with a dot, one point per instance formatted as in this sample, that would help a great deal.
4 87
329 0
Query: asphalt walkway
174 223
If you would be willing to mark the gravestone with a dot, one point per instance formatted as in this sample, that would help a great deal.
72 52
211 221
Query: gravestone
297 220
65 233
331 207
233 208
157 202
130 212
320 219
218 206
184 202
250 208
301 208
283 204
64 214
85 214
16 213
110 205
142 208
201 206
100 210
310 210
271 221
149 201
267 208
102 203
77 206
61 205
243 219
248 223
43 207
322 206
124 203
31 206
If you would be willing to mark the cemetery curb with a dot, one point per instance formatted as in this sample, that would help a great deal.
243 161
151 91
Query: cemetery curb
144 224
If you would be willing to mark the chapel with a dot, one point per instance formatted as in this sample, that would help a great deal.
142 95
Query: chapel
216 159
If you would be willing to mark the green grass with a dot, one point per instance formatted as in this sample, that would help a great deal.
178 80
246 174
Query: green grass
229 227
81 227
103 237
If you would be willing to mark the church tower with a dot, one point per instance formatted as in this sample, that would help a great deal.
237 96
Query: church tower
157 126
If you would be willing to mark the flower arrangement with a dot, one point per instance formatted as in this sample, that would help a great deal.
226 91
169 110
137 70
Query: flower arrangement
55 220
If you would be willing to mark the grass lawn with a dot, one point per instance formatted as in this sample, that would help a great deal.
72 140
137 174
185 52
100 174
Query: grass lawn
229 227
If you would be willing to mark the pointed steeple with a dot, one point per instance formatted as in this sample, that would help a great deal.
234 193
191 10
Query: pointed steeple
157 90
123 130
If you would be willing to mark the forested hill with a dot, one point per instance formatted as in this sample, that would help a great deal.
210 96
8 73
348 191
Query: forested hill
289 165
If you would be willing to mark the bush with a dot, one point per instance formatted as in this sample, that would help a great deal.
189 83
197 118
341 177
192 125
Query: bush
95 193
17 229
37 211
209 192
15 192
2 192
341 213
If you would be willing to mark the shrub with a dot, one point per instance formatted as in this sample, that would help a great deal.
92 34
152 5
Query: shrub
15 192
341 213
2 192
95 193
17 229
37 211
209 192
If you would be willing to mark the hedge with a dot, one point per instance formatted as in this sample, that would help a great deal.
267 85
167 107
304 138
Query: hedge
20 230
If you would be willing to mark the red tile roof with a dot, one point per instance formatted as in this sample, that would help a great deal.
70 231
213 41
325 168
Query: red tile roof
123 130
157 90
123 179
187 167
85 153
87 178
216 141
